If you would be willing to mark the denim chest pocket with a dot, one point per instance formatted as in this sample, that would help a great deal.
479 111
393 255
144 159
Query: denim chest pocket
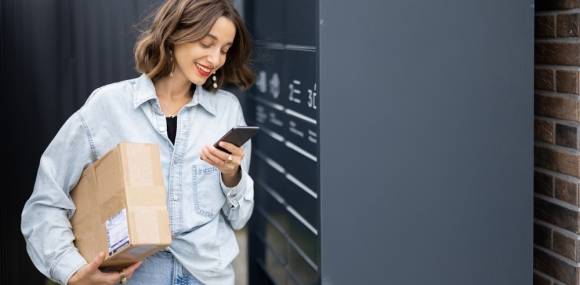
207 193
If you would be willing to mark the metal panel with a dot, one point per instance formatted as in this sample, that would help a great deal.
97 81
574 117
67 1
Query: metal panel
284 103
426 141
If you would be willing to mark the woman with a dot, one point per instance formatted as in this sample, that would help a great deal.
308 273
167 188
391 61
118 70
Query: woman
191 49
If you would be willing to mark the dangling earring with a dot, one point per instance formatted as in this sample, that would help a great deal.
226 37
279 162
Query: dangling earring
214 78
172 63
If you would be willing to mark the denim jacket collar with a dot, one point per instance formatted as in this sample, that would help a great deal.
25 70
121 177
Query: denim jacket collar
145 91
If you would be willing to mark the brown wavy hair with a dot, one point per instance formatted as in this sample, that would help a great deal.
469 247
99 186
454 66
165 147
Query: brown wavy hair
182 21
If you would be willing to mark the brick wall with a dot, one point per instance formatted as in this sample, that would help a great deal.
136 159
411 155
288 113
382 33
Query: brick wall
556 151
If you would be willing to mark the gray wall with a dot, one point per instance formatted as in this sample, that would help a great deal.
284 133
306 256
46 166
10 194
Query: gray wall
426 141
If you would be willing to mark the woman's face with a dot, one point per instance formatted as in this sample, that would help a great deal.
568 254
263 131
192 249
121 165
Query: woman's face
198 60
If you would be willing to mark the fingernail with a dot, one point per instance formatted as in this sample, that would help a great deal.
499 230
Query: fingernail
221 143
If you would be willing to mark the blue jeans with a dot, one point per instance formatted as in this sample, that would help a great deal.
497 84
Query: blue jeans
162 269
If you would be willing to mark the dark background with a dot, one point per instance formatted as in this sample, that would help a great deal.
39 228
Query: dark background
285 229
53 53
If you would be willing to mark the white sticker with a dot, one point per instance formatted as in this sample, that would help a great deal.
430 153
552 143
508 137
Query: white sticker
117 232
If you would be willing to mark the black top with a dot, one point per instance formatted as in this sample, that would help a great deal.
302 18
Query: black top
171 128
172 121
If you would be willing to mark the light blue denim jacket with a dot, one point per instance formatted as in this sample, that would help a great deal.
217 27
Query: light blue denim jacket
202 210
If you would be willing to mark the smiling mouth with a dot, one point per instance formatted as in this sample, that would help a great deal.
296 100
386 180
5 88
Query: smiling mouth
203 70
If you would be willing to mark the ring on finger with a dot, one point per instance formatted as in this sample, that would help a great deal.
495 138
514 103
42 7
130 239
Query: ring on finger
123 277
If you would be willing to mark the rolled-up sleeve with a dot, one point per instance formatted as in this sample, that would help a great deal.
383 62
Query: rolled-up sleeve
240 198
45 217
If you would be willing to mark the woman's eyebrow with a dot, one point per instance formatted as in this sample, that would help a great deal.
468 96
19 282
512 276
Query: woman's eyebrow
215 38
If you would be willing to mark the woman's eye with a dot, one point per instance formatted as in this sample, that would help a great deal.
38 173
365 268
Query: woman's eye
205 45
224 52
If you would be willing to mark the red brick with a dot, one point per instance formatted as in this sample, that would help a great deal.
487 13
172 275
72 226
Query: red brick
567 81
544 79
557 53
545 26
544 131
556 268
567 25
556 161
556 215
543 184
557 107
567 136
542 236
564 246
566 191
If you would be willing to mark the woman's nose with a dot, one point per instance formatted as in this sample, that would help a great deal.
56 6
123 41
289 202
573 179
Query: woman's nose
214 57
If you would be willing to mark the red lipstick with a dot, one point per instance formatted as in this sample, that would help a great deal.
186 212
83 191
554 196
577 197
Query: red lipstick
200 71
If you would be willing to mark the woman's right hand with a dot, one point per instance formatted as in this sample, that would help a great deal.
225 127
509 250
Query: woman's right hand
91 275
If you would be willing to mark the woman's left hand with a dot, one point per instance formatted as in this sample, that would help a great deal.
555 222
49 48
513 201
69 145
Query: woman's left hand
228 164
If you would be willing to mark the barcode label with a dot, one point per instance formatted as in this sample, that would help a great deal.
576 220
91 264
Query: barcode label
117 232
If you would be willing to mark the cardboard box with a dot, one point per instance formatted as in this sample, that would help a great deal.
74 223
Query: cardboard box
121 206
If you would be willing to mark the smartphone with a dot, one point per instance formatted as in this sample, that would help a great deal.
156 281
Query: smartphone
237 136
